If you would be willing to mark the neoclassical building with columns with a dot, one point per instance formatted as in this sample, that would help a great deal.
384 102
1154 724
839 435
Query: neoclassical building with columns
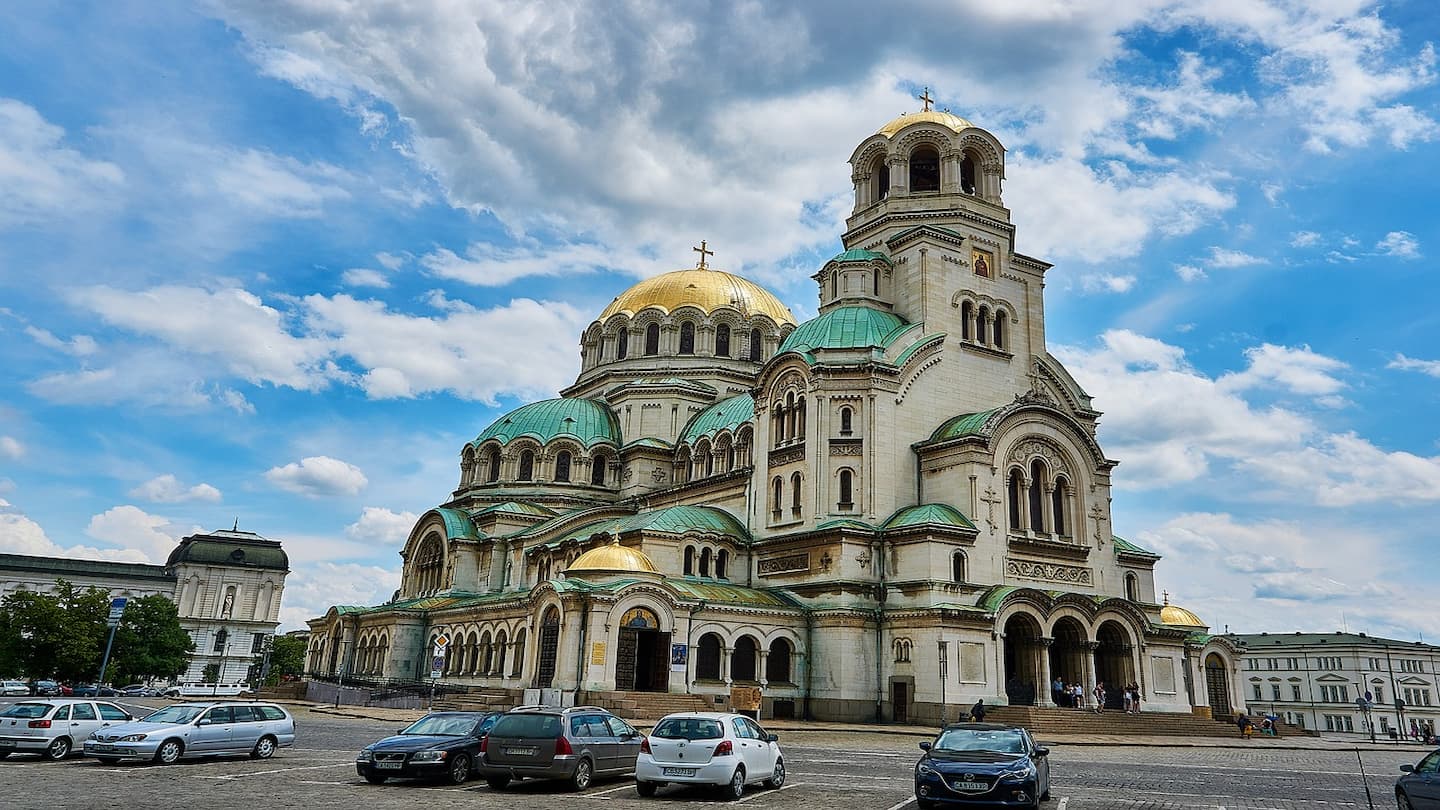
899 500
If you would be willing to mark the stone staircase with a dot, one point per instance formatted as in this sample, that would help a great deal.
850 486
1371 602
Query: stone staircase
643 706
1047 721
486 700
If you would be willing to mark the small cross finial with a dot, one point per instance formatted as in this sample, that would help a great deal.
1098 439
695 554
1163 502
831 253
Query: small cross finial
926 99
1167 596
703 253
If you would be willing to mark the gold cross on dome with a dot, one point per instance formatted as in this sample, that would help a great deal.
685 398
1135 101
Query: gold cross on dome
925 97
703 253
1167 596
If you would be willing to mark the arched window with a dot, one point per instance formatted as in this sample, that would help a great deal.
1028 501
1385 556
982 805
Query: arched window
652 339
846 421
687 338
742 659
705 562
800 418
957 567
722 340
1014 491
722 562
1057 507
777 415
562 466
875 282
527 466
777 489
467 466
501 647
597 471
709 463
881 172
777 664
835 284
967 321
493 474
999 329
487 653
847 485
730 458
967 175
795 493
622 343
755 344
925 169
790 432
221 636
982 324
707 658
1038 478
1132 588
689 561
519 652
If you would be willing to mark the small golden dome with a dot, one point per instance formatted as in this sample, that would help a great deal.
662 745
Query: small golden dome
1174 614
706 290
945 119
613 558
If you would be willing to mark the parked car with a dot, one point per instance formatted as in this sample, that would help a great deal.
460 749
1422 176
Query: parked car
440 745
139 690
9 688
197 730
1419 785
576 744
202 689
55 728
982 764
46 689
91 690
728 751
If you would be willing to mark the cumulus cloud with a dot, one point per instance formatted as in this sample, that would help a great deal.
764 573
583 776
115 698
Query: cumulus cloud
362 277
312 590
168 489
133 528
1400 244
79 345
382 527
44 178
1295 369
1189 272
21 535
1301 239
1224 257
1107 283
11 448
318 476
1431 367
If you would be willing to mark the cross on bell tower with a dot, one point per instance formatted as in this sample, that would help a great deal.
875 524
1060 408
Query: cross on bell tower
926 99
703 253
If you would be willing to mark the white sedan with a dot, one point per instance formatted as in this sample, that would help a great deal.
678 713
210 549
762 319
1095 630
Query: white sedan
709 748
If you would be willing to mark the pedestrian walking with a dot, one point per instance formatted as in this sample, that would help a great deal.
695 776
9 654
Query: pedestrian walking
1127 697
1136 700
1099 696
977 712
1077 694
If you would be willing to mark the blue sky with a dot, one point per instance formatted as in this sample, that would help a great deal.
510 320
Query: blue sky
278 261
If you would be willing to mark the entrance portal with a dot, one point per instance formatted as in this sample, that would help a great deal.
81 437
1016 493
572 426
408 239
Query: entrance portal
1113 663
1069 659
900 701
1022 659
1217 687
549 648
642 653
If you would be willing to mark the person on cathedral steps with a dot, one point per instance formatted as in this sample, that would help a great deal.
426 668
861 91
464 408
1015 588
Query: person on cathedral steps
1057 691
977 712
1099 697
1242 722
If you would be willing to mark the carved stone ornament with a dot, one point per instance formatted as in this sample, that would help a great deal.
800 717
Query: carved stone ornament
844 448
1031 448
1050 572
657 475
784 564
787 455
629 473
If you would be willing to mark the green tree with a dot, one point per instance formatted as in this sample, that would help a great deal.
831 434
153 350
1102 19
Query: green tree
287 657
60 634
211 673
150 644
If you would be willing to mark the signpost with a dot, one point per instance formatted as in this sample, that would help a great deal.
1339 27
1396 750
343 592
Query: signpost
437 663
117 609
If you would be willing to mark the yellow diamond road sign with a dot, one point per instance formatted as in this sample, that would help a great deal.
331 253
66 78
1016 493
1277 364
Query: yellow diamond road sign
441 640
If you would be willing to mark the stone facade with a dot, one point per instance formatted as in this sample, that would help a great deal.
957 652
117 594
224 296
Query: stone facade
897 503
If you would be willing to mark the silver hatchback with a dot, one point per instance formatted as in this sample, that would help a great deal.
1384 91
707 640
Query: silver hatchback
197 730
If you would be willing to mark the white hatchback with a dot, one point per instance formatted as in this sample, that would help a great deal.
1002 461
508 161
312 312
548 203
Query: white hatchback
709 748
54 728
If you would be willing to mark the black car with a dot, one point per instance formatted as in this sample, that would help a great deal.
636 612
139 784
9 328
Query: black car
46 689
985 764
91 690
1419 787
440 745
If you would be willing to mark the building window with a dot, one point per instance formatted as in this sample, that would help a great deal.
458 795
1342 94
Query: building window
1014 489
902 650
846 421
687 338
1295 692
221 637
1057 506
847 481
957 567
257 643
777 494
652 339
982 325
597 471
493 474
881 170
777 664
705 562
1275 691
1038 477
967 175
707 658
689 561
622 343
755 344
999 328
1256 687
795 481
562 466
722 340
1132 588
925 169
722 562
527 466
967 321
742 659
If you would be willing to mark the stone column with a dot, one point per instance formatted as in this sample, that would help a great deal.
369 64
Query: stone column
569 654
761 655
1025 517
1089 658
899 175
725 664
1042 688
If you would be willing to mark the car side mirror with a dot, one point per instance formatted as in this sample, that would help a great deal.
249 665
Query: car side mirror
1407 768
772 738
924 746
400 732
1042 751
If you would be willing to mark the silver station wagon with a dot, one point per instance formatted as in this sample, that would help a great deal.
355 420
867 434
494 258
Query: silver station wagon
197 730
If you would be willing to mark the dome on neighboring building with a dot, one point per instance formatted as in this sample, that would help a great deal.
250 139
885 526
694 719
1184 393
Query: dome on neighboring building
613 558
946 119
230 548
585 420
1174 614
706 290
844 328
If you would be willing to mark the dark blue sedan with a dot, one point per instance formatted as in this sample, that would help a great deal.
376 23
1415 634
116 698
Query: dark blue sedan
1419 787
982 764
440 745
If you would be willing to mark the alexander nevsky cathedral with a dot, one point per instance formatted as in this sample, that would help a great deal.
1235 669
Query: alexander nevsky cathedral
896 503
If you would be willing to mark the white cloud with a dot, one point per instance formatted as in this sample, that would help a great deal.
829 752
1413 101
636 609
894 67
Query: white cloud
1303 239
362 277
42 178
311 590
1345 470
1298 370
1224 257
168 489
1431 367
133 528
390 261
21 535
1190 102
318 476
1189 272
272 185
382 527
79 346
1400 244
1107 283
11 448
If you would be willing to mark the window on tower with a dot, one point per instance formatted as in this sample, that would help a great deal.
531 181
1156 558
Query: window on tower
687 338
722 340
881 173
755 344
999 329
925 169
652 339
562 466
622 343
493 474
597 471
967 175
527 466
847 489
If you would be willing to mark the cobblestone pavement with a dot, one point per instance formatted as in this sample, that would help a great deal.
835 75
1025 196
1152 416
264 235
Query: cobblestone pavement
834 770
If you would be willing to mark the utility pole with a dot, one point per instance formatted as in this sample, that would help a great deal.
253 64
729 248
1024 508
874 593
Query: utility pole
117 609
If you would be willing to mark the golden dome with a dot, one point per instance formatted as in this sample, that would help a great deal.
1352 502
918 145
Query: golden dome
613 558
945 119
1174 614
707 290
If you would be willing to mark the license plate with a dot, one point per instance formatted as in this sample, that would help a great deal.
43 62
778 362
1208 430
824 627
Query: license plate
520 752
969 785
389 766
98 747
677 771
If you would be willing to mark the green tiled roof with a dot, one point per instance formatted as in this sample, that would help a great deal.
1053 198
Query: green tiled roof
651 441
670 520
857 255
457 523
585 420
729 594
727 414
925 340
518 508
1125 546
844 328
966 424
846 523
928 514
671 381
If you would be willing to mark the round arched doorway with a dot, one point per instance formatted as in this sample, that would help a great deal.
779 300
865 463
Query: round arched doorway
1114 662
549 648
1022 659
1069 656
642 653
1217 686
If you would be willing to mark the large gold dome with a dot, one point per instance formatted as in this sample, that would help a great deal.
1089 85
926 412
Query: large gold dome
945 119
1174 614
706 290
613 558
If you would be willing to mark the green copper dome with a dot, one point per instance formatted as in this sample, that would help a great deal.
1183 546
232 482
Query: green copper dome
727 414
844 328
585 420
858 255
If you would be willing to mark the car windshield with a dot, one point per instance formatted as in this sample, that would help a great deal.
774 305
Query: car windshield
439 725
688 728
26 711
527 725
963 739
173 714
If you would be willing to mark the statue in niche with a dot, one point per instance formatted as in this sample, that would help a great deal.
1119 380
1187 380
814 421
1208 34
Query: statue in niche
229 606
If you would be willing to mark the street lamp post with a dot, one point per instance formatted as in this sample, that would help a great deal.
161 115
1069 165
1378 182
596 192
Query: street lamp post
944 707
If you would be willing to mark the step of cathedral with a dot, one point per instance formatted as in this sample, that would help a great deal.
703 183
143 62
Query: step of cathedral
1043 721
648 705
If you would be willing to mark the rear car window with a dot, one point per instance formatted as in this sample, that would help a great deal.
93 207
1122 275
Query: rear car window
26 711
111 712
244 714
527 725
271 712
83 711
688 728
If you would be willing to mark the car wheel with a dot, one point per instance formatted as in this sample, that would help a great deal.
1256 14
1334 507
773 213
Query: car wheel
646 789
59 749
376 778
736 786
1403 801
4 754
584 771
459 770
264 748
777 777
497 782
169 752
